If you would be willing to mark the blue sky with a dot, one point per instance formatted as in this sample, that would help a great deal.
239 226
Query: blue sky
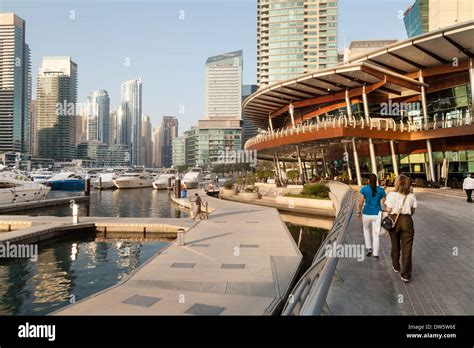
166 50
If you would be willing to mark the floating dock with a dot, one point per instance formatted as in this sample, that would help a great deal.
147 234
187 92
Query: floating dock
242 260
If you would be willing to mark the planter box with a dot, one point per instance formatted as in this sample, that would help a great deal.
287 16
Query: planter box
324 204
226 192
294 189
249 196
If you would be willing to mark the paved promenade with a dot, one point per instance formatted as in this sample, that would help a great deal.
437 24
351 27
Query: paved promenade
443 266
241 260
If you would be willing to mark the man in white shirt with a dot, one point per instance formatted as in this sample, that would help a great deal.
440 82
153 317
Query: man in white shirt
468 186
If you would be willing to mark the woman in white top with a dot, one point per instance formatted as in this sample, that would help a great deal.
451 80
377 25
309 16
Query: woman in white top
402 202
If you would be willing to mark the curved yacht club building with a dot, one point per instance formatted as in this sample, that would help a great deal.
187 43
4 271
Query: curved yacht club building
401 109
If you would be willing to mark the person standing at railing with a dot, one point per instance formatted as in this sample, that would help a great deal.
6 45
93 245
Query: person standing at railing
371 206
401 205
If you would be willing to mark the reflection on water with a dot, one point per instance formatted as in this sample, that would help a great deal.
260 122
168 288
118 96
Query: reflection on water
308 239
143 202
68 267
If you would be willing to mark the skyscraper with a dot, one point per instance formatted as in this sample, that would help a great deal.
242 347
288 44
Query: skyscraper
15 84
157 147
223 86
428 15
56 102
131 128
295 37
169 127
98 118
249 130
147 142
32 128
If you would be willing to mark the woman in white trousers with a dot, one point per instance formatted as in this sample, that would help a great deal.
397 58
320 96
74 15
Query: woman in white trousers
371 207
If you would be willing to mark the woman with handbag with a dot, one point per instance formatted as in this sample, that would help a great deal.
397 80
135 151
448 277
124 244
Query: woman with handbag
373 198
401 205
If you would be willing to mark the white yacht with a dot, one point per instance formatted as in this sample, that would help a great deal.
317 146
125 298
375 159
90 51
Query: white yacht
18 189
40 176
161 182
193 178
104 181
133 180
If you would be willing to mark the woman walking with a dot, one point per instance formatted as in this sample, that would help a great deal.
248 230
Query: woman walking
371 206
401 204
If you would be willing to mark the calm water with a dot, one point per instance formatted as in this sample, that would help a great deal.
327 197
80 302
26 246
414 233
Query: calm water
309 239
60 273
144 202
37 288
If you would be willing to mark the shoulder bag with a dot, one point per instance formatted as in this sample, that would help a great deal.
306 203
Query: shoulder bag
390 221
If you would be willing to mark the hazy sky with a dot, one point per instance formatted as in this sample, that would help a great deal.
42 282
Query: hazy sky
167 42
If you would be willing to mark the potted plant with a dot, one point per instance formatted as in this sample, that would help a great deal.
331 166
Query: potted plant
228 188
250 193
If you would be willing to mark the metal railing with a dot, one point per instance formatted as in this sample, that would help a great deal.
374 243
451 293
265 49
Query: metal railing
386 124
308 297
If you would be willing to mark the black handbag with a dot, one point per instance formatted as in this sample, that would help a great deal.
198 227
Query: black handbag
390 221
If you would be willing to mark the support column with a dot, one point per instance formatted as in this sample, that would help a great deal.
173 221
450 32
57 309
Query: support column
349 170
394 158
278 166
373 163
300 165
430 160
277 170
270 123
325 167
291 110
348 105
356 163
366 105
471 80
424 104
305 171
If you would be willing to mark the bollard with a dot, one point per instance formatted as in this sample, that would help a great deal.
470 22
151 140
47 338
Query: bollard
177 188
169 184
207 211
75 214
100 182
87 187
180 240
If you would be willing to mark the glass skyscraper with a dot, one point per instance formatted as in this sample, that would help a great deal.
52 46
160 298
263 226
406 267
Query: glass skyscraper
295 37
416 18
131 123
15 84
98 121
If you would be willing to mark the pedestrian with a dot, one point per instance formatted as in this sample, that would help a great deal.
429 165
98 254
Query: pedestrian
468 186
401 205
197 210
371 206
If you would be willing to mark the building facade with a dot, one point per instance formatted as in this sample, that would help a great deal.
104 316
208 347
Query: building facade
295 37
131 120
104 155
392 111
147 142
249 130
223 86
424 16
56 97
157 147
98 118
179 152
169 129
215 138
15 84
